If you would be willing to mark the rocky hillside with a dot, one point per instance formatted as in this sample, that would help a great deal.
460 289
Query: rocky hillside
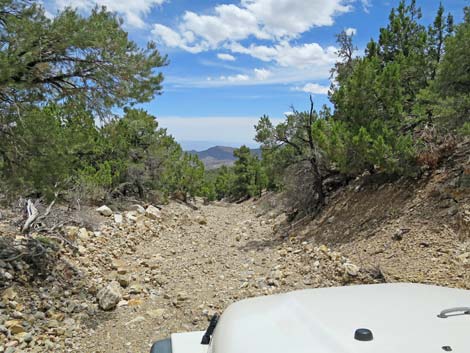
123 277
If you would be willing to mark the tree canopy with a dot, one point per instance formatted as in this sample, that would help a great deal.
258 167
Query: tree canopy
72 58
67 87
412 79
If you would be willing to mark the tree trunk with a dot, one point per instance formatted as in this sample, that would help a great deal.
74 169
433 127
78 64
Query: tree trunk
318 184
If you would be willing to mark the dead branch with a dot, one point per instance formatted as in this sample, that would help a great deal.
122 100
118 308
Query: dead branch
33 213
48 210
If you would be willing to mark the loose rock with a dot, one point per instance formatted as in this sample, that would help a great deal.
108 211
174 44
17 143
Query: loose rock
109 297
105 211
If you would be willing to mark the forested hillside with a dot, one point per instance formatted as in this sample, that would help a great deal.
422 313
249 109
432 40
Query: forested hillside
67 125
398 109
218 156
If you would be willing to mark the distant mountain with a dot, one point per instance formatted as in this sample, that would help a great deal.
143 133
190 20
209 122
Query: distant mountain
218 156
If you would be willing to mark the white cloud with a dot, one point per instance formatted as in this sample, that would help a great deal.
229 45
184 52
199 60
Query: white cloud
255 76
226 57
284 54
229 22
133 11
235 78
351 31
173 39
366 4
262 74
273 76
313 88
288 18
275 20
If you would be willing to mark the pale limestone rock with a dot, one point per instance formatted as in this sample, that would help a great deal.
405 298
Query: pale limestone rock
118 218
153 213
104 211
109 296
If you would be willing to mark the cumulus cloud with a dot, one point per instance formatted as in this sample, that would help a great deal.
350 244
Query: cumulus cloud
284 54
267 30
289 18
226 57
173 39
229 22
133 11
274 20
313 88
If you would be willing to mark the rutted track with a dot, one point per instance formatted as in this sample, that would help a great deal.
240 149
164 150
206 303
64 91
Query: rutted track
197 264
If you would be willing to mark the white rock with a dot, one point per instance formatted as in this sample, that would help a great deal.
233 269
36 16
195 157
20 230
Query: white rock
83 234
105 211
131 216
137 208
109 296
118 218
351 269
152 212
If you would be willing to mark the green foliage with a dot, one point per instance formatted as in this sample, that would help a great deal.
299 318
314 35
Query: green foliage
72 58
377 102
292 150
52 149
224 182
410 76
454 72
57 77
188 176
465 129
39 152
446 102
250 178
247 178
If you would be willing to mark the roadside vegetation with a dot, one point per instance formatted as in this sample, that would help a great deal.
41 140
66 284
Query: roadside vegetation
68 126
399 109
70 129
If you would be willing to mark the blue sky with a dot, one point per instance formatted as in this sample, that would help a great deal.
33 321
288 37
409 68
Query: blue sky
233 61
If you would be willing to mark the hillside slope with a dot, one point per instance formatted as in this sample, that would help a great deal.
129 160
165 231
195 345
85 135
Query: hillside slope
404 230
218 156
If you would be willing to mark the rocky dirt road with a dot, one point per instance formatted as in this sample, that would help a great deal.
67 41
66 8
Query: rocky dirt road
196 265
169 271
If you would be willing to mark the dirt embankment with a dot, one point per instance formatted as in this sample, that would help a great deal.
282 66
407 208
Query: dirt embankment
409 230
170 270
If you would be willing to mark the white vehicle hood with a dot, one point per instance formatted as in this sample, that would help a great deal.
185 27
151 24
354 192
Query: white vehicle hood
402 317
189 342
